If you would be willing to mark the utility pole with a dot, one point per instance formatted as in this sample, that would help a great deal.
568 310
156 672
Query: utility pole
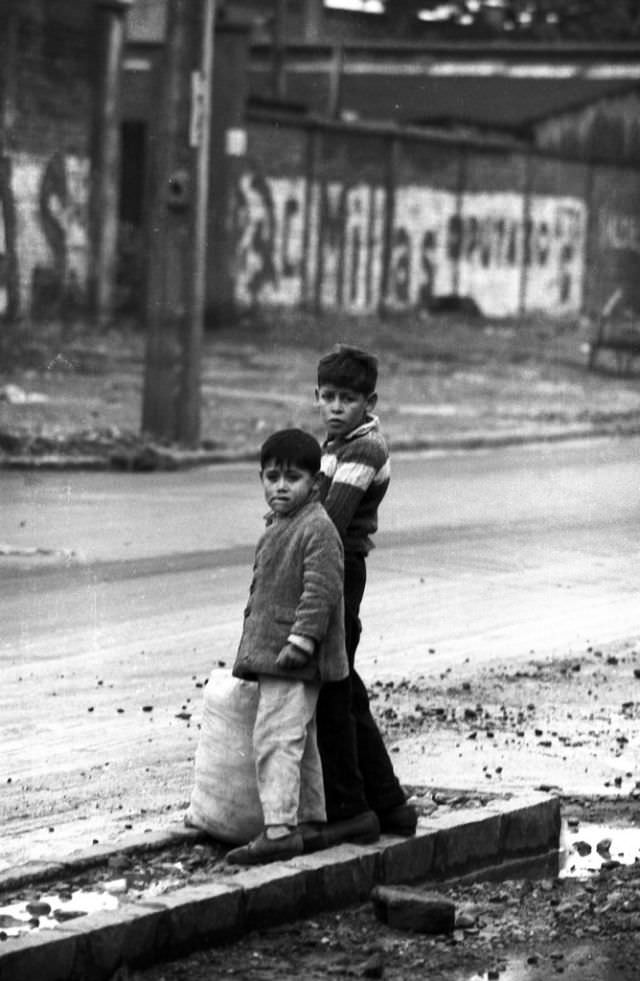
10 308
177 224
109 24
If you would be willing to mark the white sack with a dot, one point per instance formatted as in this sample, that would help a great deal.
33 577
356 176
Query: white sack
224 800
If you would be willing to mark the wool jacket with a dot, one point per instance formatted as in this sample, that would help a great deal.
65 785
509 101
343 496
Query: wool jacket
355 477
296 591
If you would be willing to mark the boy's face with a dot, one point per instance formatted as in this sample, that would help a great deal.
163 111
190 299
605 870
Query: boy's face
286 486
343 409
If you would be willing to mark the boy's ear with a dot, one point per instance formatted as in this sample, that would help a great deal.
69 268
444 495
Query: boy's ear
316 395
372 401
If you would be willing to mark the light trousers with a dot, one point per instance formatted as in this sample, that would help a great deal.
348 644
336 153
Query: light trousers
285 746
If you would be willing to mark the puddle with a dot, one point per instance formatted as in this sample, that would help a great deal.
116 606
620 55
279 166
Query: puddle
533 972
512 972
586 848
48 912
583 961
124 879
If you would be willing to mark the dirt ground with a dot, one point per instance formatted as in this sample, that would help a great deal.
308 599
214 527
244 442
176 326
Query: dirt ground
67 389
515 931
568 725
584 925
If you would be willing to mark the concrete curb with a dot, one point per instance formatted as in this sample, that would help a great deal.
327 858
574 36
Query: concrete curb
464 843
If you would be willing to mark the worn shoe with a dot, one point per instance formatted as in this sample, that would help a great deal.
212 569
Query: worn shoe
314 837
262 850
401 820
363 829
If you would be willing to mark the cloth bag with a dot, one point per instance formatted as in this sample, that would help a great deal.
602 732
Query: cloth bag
224 800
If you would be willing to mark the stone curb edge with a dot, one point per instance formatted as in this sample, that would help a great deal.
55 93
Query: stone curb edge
43 870
453 845
149 458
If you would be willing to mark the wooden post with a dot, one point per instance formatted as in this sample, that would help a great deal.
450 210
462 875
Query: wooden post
177 222
334 101
8 74
461 187
526 224
390 182
109 21
313 24
279 36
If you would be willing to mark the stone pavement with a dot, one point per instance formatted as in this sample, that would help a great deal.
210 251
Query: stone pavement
504 835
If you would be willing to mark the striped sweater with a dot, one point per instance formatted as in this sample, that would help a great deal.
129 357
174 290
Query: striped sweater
355 476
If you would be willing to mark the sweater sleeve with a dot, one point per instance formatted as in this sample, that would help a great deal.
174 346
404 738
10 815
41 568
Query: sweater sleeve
359 465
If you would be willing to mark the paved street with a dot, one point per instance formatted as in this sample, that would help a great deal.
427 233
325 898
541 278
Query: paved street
519 551
110 630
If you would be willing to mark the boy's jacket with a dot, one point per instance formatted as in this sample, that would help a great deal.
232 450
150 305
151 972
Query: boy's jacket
297 588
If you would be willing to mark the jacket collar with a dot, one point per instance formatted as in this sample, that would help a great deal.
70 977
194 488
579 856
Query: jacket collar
370 424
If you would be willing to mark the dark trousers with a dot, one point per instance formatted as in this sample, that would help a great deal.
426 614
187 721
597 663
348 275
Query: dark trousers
358 774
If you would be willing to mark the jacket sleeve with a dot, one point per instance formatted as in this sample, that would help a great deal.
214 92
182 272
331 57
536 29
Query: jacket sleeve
322 586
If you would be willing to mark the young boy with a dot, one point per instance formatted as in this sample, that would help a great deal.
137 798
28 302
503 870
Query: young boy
363 794
292 640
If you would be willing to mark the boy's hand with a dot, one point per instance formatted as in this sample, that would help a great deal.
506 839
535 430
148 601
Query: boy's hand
291 657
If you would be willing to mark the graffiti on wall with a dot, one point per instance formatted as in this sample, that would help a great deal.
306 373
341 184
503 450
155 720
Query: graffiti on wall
327 243
43 234
619 231
618 237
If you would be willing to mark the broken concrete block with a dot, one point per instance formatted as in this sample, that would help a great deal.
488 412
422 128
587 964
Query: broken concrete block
404 908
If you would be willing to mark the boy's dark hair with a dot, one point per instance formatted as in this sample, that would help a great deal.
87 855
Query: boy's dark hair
292 446
349 367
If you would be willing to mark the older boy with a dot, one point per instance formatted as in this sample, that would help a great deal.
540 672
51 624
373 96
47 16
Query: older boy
292 640
361 789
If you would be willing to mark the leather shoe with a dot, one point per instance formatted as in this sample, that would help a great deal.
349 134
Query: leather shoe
401 820
363 829
314 837
262 850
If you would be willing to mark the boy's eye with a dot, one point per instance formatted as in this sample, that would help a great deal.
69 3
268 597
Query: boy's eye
291 476
328 395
